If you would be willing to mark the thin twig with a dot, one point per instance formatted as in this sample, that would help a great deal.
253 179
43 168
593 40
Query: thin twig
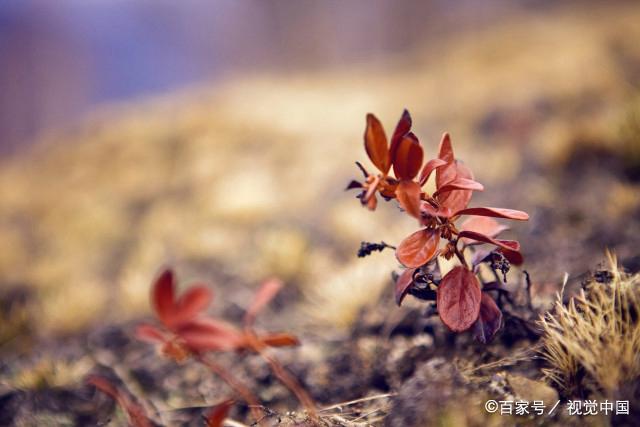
362 169
282 374
526 354
236 385
291 383
367 248
459 254
528 280
366 414
353 402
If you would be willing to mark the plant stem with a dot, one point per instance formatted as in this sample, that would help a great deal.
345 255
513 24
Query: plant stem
291 383
528 279
282 374
236 385
362 169
459 254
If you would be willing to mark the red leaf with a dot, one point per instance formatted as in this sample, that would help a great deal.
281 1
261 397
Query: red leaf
428 169
506 244
402 128
163 296
191 303
427 209
456 199
375 143
459 184
446 173
208 325
489 320
495 212
211 334
514 257
418 248
445 151
150 334
408 195
406 157
483 225
513 245
280 340
218 414
403 283
265 294
459 299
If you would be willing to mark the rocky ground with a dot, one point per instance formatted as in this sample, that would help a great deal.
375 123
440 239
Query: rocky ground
235 183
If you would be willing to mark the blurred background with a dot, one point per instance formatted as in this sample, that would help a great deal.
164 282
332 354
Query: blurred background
63 59
218 137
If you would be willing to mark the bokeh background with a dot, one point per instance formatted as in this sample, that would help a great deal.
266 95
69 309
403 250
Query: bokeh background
218 137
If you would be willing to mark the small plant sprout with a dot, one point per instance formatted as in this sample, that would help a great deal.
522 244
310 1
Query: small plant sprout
187 331
462 299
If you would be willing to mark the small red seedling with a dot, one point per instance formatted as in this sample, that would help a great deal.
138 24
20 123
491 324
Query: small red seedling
459 298
187 331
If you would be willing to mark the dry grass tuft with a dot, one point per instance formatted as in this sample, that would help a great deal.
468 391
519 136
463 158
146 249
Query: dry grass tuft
592 345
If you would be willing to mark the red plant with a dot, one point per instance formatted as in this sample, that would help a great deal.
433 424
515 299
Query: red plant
188 331
459 299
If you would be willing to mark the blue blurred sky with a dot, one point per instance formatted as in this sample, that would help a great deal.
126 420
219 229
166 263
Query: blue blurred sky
63 58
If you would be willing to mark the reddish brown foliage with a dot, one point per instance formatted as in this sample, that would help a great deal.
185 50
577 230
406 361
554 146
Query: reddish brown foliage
188 330
418 248
458 295
404 281
459 299
482 225
405 154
